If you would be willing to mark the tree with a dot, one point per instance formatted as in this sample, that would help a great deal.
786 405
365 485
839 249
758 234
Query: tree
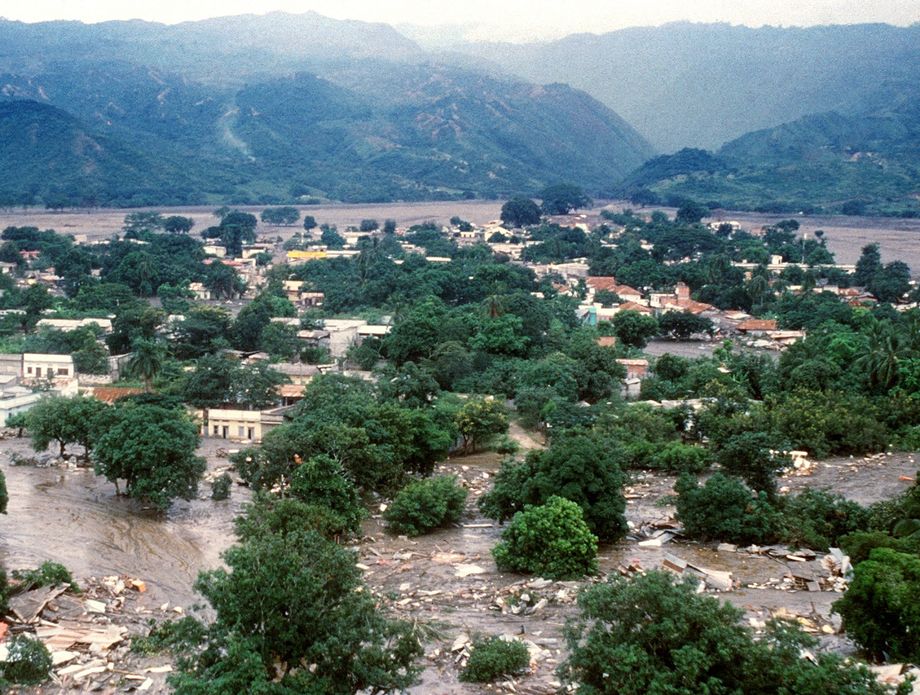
294 604
749 455
153 449
551 541
235 228
680 325
34 300
369 225
868 264
478 420
280 341
223 281
147 361
725 509
138 223
656 634
218 380
691 212
73 420
286 215
634 329
880 609
176 224
322 481
389 226
562 198
424 505
203 331
520 212
891 282
579 466
331 238
309 222
4 495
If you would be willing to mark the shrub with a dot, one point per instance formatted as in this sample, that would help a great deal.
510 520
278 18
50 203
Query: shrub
748 456
47 574
818 519
28 661
578 466
676 457
889 516
4 495
859 545
655 634
493 658
424 505
269 515
880 610
220 487
322 481
552 541
4 592
173 635
725 509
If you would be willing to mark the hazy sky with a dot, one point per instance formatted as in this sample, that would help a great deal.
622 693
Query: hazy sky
496 19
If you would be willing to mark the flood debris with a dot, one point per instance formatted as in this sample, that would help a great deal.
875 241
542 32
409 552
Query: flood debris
87 633
717 580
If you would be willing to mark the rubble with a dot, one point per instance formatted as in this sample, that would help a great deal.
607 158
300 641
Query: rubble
718 580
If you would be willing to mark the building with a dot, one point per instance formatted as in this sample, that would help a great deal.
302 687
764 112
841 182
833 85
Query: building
42 366
15 400
202 293
68 325
249 426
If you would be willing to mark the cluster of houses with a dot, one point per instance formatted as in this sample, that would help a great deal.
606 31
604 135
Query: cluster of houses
25 378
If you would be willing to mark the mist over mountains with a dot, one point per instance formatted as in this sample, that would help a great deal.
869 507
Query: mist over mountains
282 107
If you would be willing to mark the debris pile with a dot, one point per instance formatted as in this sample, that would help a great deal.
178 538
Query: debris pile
85 632
717 580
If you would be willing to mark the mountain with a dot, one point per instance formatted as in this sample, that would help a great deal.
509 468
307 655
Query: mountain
701 85
866 163
223 49
49 153
276 107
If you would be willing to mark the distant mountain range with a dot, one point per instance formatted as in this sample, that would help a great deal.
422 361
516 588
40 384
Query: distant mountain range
702 85
285 108
279 108
864 164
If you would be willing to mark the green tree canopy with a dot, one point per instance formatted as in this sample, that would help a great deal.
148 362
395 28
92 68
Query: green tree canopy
520 212
562 198
297 600
153 450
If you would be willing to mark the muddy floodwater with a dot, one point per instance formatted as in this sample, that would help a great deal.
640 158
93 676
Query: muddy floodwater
74 517
445 581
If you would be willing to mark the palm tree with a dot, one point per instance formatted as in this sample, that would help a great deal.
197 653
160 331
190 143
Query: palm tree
881 358
147 360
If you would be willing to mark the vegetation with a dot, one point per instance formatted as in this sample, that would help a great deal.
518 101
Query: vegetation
551 541
655 634
321 480
46 574
494 658
578 466
294 599
425 505
152 449
28 661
